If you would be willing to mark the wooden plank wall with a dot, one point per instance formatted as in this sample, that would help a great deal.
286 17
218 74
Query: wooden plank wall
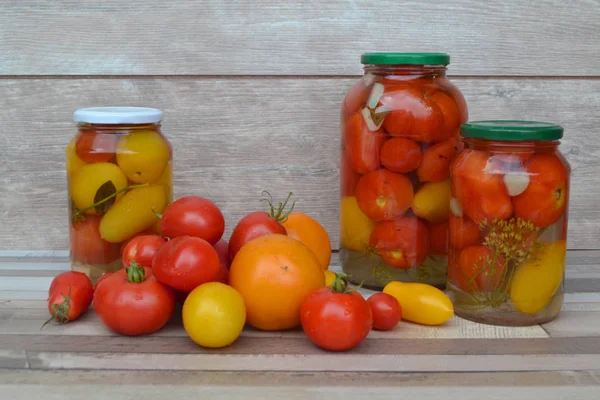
251 90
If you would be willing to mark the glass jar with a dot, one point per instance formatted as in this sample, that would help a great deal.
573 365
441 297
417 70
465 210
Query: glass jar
400 127
119 171
508 228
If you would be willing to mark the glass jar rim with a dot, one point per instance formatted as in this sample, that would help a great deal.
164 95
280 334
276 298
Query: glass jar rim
512 130
396 58
118 115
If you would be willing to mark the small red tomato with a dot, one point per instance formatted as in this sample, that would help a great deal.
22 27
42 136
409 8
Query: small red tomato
132 302
142 250
193 216
69 296
253 225
185 263
386 311
334 318
222 248
94 147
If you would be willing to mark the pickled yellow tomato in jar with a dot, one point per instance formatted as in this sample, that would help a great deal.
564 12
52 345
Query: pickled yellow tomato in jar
399 133
119 171
508 223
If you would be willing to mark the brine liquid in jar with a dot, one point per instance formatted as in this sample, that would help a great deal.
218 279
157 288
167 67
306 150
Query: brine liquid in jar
119 171
508 226
399 133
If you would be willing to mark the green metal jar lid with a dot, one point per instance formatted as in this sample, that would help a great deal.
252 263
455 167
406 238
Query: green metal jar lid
512 130
405 58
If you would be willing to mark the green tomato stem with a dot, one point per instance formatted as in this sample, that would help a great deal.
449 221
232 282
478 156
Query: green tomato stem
135 273
79 213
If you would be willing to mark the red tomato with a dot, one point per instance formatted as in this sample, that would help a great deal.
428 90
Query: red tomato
348 177
193 216
253 225
481 270
93 147
222 248
414 115
401 155
386 311
87 246
142 250
384 195
402 243
335 319
101 279
185 263
435 165
69 296
132 302
362 145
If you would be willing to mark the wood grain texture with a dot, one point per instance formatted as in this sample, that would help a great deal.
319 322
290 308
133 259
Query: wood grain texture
575 324
210 392
28 322
235 137
54 378
294 38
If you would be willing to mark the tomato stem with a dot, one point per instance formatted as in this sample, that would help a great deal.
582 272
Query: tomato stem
135 273
278 213
79 213
60 312
340 283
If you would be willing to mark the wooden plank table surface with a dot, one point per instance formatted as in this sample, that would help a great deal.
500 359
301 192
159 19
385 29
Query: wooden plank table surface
460 360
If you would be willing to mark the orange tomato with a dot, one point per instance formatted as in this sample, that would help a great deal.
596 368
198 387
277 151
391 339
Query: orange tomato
274 274
545 199
305 229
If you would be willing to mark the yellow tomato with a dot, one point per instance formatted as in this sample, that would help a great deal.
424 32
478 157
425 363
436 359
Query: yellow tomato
133 213
355 226
421 303
143 156
537 280
73 160
85 184
214 315
329 277
432 201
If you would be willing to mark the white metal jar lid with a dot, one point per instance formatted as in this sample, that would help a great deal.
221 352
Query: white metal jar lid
118 115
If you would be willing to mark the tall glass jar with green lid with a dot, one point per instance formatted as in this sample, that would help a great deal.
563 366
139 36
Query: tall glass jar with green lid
399 133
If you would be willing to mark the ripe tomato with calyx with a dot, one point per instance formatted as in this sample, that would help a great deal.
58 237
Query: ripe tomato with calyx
142 250
386 310
336 318
193 216
70 295
259 223
185 263
132 302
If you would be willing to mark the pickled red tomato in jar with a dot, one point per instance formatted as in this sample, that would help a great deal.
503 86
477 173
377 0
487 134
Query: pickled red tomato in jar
508 223
399 134
119 171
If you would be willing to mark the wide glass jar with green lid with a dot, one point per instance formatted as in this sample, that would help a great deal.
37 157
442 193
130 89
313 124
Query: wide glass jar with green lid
399 133
119 171
508 223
